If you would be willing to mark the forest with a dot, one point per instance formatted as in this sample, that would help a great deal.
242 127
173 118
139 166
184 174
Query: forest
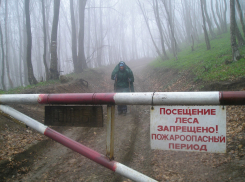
43 39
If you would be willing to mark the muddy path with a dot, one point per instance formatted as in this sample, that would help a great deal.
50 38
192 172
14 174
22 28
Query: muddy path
46 160
50 161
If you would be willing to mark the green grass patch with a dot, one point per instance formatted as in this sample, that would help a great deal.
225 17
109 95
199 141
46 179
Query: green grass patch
208 65
21 89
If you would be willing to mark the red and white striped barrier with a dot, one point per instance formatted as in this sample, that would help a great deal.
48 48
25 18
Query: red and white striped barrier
77 147
135 98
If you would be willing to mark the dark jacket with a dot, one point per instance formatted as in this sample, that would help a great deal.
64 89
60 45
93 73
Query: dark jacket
122 78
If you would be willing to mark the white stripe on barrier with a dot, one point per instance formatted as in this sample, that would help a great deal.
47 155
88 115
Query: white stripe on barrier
120 168
19 98
23 118
132 174
167 98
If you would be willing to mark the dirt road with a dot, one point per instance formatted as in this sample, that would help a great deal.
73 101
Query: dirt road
47 160
50 161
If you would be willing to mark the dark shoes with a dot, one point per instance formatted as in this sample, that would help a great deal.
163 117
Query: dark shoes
124 112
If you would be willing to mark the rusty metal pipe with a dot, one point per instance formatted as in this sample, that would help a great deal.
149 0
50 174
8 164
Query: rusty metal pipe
77 147
132 98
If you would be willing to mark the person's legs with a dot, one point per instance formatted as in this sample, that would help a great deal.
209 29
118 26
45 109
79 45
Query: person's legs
122 109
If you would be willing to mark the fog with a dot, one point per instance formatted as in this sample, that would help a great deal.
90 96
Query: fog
106 32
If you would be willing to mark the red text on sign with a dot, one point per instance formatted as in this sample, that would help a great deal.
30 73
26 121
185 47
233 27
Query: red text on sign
189 112
192 129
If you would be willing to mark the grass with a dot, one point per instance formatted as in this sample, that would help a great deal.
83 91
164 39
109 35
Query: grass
21 89
208 65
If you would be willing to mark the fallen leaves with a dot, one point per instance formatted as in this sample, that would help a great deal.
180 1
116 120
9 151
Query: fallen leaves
16 142
165 161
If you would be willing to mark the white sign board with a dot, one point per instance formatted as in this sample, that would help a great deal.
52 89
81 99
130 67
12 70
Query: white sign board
189 128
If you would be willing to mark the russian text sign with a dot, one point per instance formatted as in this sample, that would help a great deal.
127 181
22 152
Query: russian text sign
189 128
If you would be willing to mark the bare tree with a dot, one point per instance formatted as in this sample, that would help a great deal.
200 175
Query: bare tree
221 13
3 65
100 41
81 53
20 50
159 26
239 37
148 27
204 27
54 74
134 43
214 17
7 45
88 36
224 15
208 20
170 18
45 43
31 78
25 68
241 16
74 38
235 52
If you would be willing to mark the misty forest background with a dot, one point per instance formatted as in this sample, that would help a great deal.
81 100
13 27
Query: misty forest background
43 39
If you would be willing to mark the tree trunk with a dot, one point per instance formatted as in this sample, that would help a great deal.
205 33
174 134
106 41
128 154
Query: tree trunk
165 36
7 45
148 27
214 17
47 13
235 52
20 42
45 43
13 65
81 52
239 37
208 20
99 46
218 12
134 43
74 38
88 36
3 65
192 46
171 26
156 12
224 14
187 19
96 42
196 23
241 16
31 78
54 74
204 28
24 57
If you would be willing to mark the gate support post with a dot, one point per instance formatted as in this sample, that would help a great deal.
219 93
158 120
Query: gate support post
110 131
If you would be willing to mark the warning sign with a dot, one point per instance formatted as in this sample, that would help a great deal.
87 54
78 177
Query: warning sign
189 128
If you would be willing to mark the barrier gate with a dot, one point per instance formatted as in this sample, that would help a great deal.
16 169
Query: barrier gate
111 99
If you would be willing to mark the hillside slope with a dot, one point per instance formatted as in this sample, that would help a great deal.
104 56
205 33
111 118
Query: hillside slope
28 156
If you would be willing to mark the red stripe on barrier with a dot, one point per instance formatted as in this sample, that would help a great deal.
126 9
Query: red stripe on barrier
81 149
77 98
232 98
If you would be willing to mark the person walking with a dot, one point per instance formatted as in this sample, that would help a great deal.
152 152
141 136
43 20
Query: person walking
124 79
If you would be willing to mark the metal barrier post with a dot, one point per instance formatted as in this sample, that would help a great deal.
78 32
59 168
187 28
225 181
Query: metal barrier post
76 146
110 131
